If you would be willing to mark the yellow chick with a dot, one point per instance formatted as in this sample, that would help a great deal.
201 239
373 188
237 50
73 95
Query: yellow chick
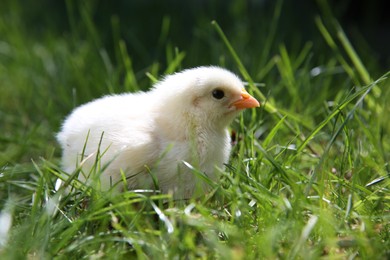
155 137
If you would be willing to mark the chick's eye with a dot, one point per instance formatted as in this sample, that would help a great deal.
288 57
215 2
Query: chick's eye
218 94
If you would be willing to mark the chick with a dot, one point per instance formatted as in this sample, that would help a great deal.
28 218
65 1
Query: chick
152 137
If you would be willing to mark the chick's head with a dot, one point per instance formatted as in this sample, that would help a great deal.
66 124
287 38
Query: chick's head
209 95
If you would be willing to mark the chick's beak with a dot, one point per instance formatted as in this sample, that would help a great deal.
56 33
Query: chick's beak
246 101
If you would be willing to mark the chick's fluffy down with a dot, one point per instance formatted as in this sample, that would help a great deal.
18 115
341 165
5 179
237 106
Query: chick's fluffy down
153 133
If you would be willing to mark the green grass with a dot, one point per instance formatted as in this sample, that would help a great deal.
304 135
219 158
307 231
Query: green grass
307 179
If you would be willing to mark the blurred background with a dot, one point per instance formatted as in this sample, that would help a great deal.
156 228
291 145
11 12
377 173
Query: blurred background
146 24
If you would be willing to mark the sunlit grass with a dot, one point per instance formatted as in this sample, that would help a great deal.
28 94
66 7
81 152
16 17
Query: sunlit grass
308 176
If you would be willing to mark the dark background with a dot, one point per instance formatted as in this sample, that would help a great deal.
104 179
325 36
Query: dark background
139 23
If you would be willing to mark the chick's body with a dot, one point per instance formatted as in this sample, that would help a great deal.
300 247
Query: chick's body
182 119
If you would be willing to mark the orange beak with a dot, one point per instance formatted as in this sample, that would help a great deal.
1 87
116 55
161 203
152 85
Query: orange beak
246 101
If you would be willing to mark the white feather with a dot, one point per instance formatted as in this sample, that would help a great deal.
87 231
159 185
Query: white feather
178 120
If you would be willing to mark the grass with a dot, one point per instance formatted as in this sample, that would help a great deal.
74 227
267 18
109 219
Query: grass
307 179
